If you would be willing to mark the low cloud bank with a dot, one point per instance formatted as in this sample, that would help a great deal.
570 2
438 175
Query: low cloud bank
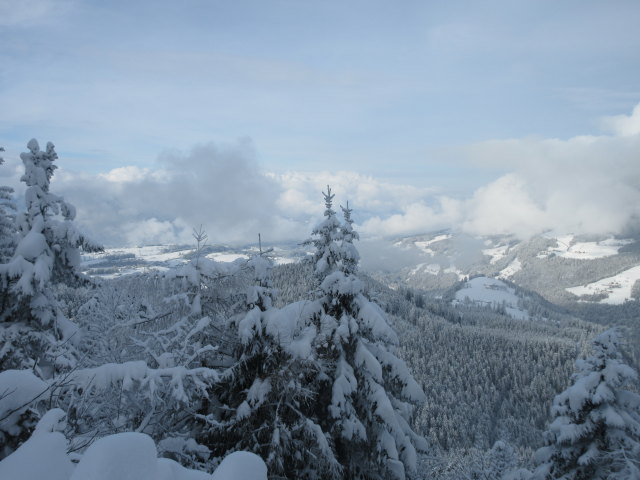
587 184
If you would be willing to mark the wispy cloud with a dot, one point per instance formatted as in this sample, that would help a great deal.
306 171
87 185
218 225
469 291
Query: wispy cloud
624 125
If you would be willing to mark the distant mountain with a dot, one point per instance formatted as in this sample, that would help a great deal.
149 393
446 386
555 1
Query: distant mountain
564 269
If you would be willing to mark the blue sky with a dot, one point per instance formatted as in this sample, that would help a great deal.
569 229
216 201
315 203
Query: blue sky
400 93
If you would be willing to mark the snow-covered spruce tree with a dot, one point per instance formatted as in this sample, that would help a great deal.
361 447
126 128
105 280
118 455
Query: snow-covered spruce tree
265 395
595 433
34 332
350 255
8 236
494 464
33 329
365 393
7 221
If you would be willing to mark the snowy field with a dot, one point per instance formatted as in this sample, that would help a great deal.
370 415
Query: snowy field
567 247
430 268
424 245
616 288
129 260
491 292
496 253
511 269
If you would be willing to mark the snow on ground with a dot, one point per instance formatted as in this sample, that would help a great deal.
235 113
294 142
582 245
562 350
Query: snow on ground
430 268
127 455
18 388
438 238
227 257
116 262
453 269
241 466
567 247
617 288
491 292
151 253
283 260
424 245
511 269
41 457
123 456
425 249
496 253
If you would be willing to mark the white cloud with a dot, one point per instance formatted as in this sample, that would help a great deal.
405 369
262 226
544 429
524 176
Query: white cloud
417 217
221 188
503 207
225 190
624 124
302 193
585 184
126 174
152 231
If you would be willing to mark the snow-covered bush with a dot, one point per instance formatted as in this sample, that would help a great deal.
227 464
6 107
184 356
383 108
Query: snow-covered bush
154 345
122 456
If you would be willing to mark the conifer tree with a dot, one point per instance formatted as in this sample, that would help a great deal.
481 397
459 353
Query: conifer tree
496 463
595 432
324 238
365 393
8 237
35 332
265 395
348 235
7 221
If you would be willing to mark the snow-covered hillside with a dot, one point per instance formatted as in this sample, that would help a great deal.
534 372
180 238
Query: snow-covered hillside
612 290
494 293
567 246
115 262
559 267
563 268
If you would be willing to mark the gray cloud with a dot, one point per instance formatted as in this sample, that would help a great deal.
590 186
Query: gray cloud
221 188
380 255
582 185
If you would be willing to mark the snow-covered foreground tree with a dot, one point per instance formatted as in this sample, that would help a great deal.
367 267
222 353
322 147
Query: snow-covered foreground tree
595 433
317 390
365 393
266 396
7 222
35 332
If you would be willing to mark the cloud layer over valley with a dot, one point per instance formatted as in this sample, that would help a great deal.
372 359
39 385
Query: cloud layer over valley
585 184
